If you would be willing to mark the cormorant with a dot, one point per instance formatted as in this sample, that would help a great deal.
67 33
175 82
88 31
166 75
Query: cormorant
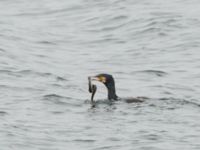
109 82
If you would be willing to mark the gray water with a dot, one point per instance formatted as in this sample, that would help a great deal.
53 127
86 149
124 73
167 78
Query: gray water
48 49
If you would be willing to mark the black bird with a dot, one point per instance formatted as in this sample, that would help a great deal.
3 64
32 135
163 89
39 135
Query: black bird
109 82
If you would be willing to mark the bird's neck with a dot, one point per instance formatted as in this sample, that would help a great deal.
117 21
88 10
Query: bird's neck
111 92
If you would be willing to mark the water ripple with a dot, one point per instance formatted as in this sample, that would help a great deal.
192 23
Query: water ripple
152 72
48 48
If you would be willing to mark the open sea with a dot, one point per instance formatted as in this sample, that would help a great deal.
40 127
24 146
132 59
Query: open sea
48 48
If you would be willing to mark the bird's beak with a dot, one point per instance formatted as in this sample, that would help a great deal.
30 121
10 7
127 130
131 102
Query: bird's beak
100 79
95 78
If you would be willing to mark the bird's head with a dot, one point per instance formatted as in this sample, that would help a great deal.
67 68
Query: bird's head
106 79
109 82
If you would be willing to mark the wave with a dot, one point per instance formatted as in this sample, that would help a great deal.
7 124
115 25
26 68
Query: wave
180 101
2 113
61 100
152 72
55 96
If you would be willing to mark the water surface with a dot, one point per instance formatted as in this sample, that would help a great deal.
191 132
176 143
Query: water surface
48 48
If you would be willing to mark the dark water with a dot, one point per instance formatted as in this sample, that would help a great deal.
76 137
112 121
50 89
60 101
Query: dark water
48 48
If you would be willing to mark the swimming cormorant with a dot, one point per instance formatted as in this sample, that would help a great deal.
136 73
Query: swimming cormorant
109 82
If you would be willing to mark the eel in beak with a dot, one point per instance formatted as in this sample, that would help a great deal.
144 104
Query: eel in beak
92 89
